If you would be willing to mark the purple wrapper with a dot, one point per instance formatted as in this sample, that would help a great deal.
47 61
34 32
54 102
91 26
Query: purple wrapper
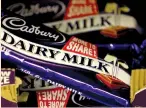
47 75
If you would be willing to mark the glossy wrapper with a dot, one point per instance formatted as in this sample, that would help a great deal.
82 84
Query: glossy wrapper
116 28
68 76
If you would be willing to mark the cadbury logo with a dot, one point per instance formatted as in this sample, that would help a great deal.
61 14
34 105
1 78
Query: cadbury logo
14 23
19 8
53 55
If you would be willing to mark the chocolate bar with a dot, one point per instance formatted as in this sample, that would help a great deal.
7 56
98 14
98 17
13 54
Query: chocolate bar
66 61
114 32
111 81
32 87
90 20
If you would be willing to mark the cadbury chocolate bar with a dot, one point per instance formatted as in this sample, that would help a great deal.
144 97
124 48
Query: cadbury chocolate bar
45 74
80 25
69 61
32 87
86 26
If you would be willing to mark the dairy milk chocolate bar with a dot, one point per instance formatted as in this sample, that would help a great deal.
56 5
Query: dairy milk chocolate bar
66 61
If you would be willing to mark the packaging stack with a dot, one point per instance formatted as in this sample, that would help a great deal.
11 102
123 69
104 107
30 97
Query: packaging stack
73 53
